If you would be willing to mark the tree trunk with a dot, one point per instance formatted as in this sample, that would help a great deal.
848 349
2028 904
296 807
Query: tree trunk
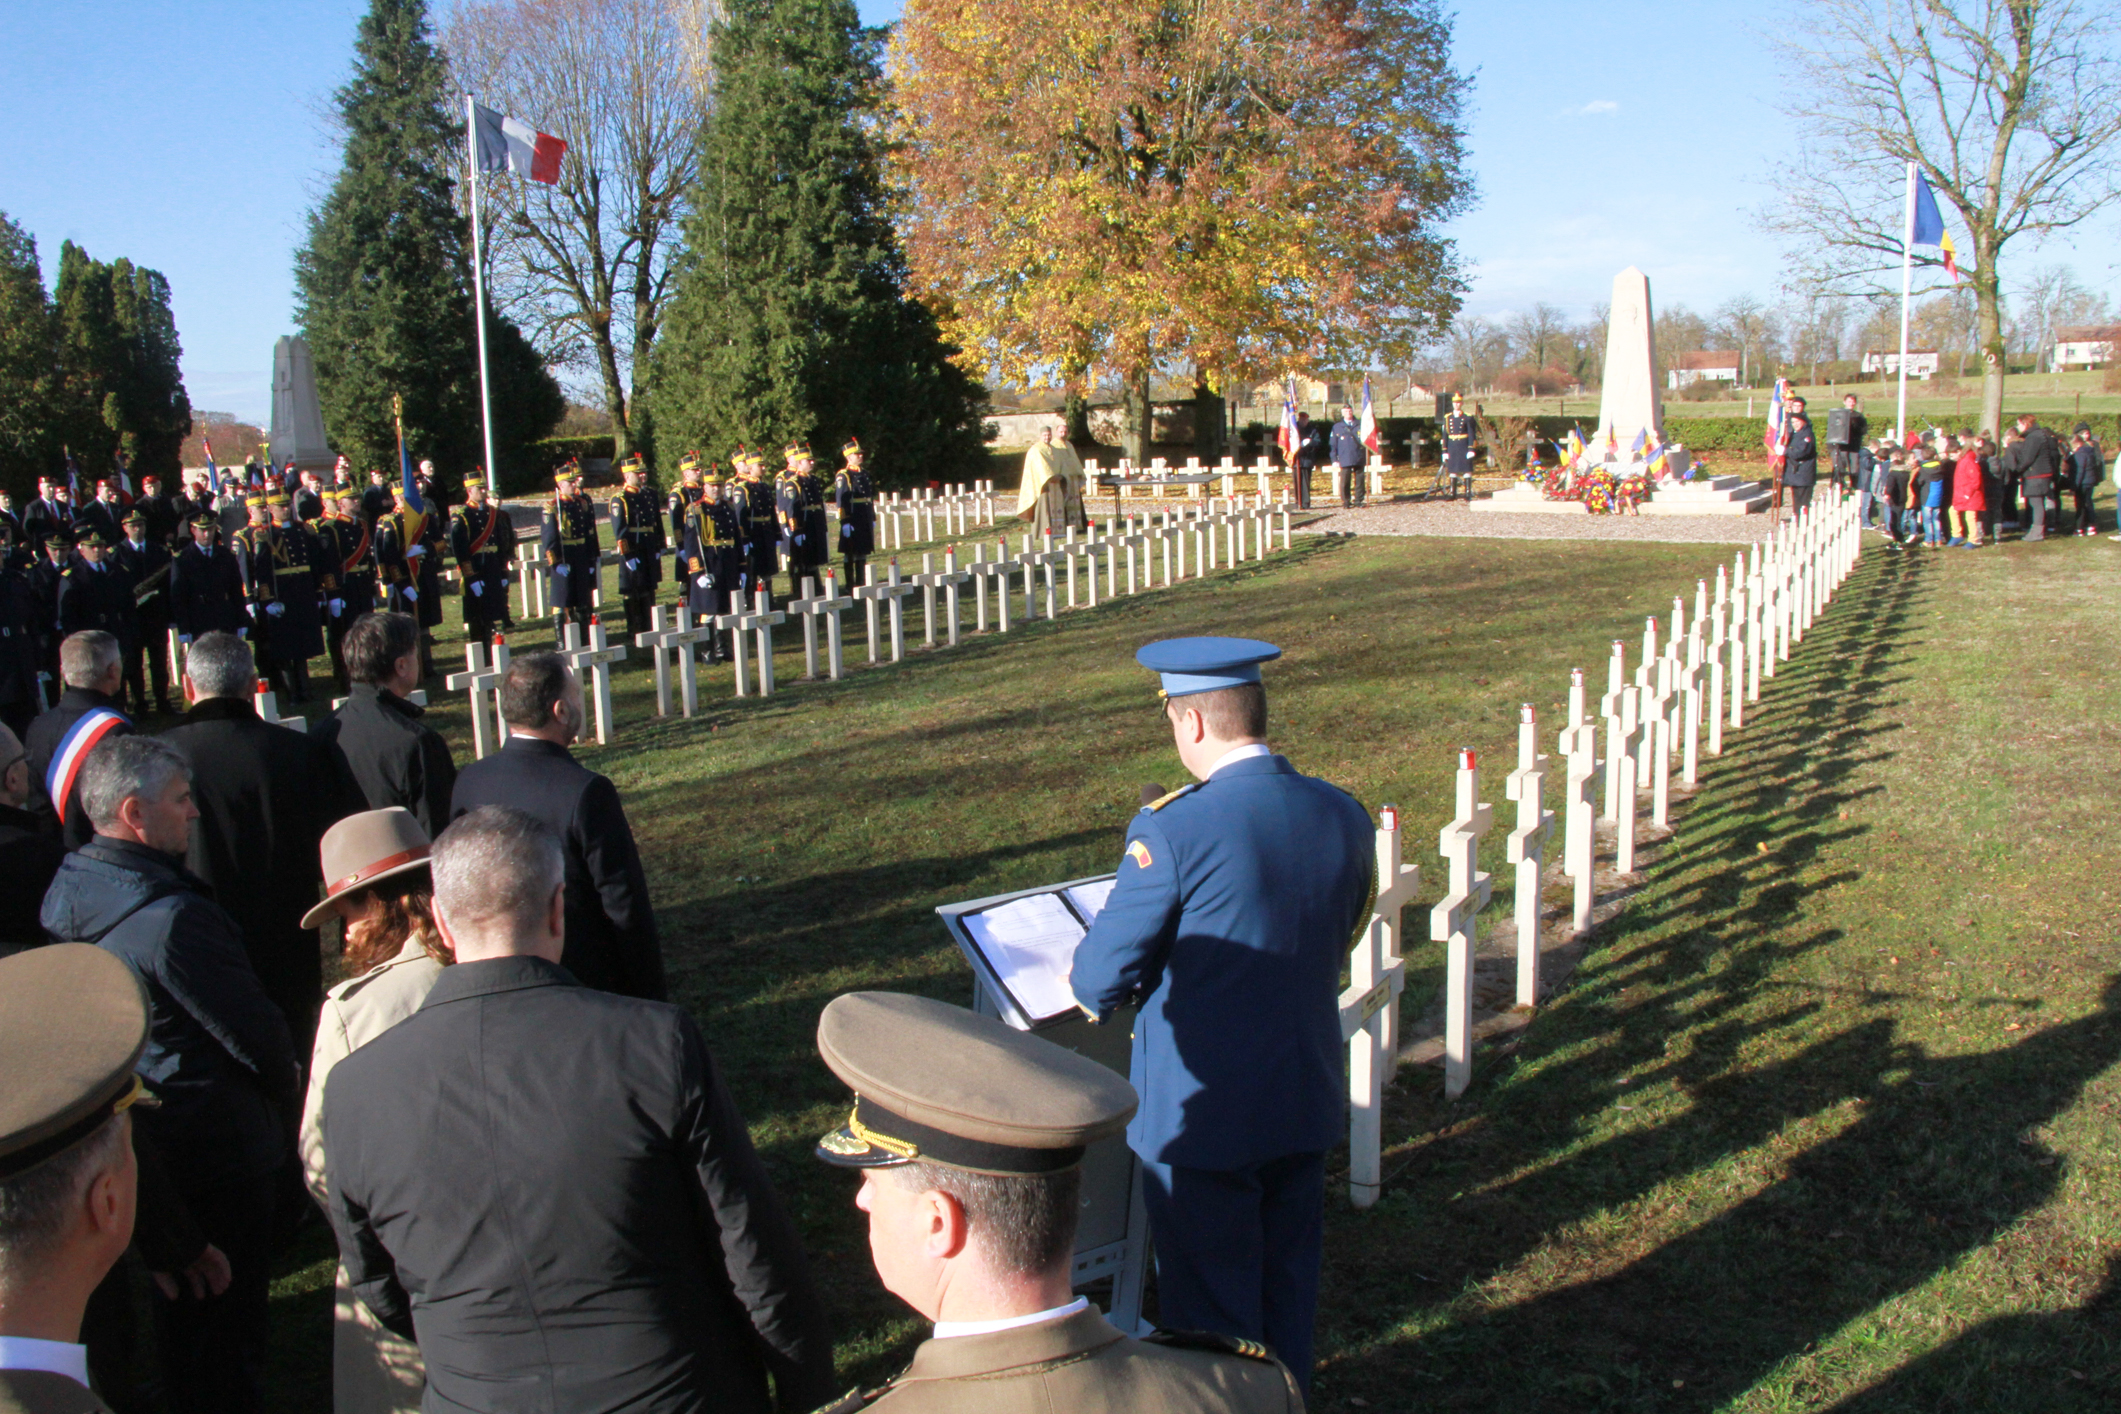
1077 412
1140 415
1988 317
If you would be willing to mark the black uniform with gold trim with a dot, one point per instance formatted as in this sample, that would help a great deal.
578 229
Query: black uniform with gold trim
346 545
637 536
572 549
854 494
1459 430
712 556
279 565
483 540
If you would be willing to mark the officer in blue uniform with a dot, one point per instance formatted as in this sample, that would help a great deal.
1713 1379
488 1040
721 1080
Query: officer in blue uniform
1236 903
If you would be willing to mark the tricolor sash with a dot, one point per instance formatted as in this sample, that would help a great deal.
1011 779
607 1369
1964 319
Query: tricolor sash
80 739
360 550
478 542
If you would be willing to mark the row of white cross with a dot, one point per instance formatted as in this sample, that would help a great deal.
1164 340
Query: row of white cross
1009 587
1711 666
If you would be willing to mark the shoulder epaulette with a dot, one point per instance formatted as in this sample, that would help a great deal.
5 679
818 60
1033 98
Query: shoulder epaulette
1161 801
1210 1341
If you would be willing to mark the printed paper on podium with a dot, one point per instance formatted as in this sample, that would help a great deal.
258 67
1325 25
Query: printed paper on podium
1024 945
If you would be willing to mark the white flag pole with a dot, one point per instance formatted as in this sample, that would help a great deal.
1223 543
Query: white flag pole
478 297
1907 285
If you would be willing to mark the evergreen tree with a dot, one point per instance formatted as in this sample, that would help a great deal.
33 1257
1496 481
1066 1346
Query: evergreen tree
383 283
790 317
119 388
26 362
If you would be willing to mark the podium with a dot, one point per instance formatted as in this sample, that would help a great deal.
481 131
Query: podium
1014 977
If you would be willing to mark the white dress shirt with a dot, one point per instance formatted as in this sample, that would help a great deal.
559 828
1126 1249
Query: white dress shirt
1240 753
58 1357
946 1329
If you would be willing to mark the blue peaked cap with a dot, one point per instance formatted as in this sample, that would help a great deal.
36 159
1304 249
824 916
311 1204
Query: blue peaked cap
1190 665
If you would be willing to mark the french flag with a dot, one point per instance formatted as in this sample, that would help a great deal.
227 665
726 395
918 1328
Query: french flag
1367 428
508 144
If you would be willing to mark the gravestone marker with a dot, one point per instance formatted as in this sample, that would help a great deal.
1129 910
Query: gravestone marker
1526 848
1451 922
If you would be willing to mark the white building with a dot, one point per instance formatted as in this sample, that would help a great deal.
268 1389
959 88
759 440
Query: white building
2086 345
1703 366
1921 363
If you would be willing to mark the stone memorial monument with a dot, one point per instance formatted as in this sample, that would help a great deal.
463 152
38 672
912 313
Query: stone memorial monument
297 416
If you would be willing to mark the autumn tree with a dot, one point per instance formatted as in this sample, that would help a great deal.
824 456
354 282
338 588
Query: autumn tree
584 263
791 317
383 281
1103 187
2010 108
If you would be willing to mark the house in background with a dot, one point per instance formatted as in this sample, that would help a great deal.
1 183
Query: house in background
1702 366
2085 345
1921 363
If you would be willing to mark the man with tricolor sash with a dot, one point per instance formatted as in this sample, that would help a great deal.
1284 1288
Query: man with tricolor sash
483 539
87 715
347 545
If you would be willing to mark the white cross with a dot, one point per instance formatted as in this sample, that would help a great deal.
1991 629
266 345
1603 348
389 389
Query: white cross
1369 1013
533 577
997 569
946 579
1167 535
1579 743
1451 921
825 604
269 709
476 681
892 591
1690 692
1658 719
1719 641
1526 848
1135 542
1621 752
595 659
679 634
760 620
1045 559
658 645
1610 708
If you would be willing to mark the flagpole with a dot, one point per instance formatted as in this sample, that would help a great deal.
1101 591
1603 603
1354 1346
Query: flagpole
478 294
1907 286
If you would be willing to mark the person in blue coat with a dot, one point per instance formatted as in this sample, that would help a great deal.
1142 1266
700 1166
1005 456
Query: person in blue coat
1237 900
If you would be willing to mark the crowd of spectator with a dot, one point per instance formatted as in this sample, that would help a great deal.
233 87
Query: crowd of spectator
1964 491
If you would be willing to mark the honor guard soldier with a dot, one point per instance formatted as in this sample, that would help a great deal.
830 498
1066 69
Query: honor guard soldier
1232 942
73 1027
409 554
571 551
483 539
712 554
279 562
146 563
637 536
1459 429
45 574
854 493
346 545
206 584
800 501
970 1138
683 498
20 700
762 523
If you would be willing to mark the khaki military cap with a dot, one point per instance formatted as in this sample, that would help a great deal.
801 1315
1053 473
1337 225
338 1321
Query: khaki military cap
73 1021
944 1085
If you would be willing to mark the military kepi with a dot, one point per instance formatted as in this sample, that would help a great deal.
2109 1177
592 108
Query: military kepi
943 1085
73 1022
1190 665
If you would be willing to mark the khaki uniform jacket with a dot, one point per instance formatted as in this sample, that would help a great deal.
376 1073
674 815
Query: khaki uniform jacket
1081 1364
372 1370
41 1392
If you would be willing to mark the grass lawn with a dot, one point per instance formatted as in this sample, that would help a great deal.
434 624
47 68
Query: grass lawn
1825 1120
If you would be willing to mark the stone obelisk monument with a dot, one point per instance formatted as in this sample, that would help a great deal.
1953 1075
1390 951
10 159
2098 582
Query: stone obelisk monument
297 416
1628 402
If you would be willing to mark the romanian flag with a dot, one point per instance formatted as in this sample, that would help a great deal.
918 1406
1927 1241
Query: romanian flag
414 506
1929 225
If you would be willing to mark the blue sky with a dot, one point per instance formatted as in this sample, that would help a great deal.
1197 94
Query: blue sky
190 137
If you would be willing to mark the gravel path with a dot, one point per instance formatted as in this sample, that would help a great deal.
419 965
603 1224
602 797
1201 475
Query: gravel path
1453 519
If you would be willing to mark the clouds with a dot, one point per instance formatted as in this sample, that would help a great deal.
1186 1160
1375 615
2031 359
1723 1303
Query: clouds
1596 108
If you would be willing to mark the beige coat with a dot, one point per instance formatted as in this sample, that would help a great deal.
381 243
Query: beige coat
1081 1364
372 1370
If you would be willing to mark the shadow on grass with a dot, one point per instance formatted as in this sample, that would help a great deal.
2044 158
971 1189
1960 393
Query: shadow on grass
1516 1281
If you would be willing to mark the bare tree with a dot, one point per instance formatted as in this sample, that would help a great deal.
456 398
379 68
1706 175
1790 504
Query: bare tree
1746 322
2048 299
1478 350
1817 323
2009 107
584 264
1538 334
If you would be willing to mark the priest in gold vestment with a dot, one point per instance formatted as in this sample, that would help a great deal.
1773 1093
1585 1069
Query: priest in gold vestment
1051 494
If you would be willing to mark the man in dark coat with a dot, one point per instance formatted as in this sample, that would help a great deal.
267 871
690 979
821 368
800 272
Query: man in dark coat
59 740
611 933
165 514
637 536
376 500
93 593
20 633
145 564
206 584
1350 455
29 852
483 541
346 545
101 513
572 551
266 794
854 496
1460 432
1800 457
712 556
2034 459
395 758
45 573
218 1056
570 1226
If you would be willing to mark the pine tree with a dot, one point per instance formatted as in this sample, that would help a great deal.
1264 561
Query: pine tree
26 362
118 387
155 411
84 404
383 283
790 318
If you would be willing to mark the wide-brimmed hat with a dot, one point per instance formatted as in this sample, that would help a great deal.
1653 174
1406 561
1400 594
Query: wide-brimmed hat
365 849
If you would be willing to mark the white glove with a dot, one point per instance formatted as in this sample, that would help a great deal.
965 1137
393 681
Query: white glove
561 570
243 632
705 581
798 539
846 531
251 609
412 595
338 607
185 639
478 586
276 608
415 552
633 566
